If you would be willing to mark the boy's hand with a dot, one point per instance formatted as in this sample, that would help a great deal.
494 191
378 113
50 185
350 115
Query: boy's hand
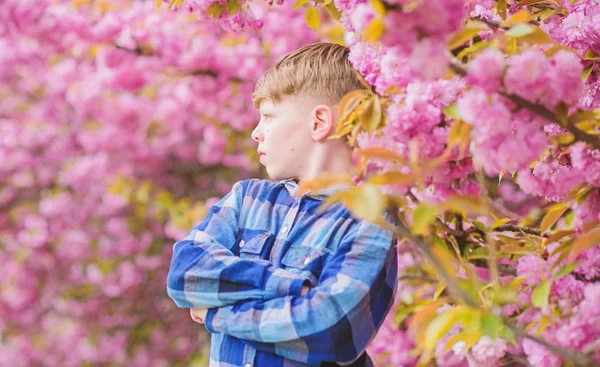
198 314
305 289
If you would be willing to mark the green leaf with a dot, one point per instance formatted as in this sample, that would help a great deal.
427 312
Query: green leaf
313 19
539 297
479 225
423 216
451 111
567 269
491 325
299 4
507 334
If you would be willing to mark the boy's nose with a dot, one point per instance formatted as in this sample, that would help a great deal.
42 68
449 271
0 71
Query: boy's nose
256 135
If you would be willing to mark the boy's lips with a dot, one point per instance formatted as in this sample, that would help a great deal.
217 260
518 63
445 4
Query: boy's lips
260 154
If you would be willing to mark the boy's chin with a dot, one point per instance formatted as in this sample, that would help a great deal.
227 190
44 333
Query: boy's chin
277 175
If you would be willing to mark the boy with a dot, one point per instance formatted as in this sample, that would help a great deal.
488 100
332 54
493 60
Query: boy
276 283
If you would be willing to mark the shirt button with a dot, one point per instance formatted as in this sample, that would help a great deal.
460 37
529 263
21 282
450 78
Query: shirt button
242 243
284 229
306 261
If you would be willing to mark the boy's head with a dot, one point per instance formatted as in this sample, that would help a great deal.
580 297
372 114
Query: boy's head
297 101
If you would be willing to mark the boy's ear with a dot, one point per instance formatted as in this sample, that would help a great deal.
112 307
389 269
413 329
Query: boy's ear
322 122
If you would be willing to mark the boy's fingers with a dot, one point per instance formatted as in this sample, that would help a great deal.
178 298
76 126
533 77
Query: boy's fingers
198 315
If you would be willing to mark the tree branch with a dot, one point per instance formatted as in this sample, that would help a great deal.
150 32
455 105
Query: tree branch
540 110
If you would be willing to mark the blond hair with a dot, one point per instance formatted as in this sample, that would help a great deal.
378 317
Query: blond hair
320 69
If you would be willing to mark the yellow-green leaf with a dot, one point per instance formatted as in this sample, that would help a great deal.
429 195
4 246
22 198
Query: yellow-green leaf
451 111
520 17
464 205
520 30
299 3
552 217
233 7
539 297
374 30
508 334
500 222
440 288
586 241
366 202
333 11
379 7
440 326
215 10
470 30
380 153
491 324
313 19
423 216
501 8
371 115
557 235
582 115
567 269
469 337
591 55
587 72
392 178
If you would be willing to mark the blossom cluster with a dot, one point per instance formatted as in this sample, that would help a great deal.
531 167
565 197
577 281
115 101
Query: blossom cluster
118 125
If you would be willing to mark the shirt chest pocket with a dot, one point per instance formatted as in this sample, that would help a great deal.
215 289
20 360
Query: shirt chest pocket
305 260
252 244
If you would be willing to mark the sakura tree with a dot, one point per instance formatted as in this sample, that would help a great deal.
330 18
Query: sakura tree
479 133
119 125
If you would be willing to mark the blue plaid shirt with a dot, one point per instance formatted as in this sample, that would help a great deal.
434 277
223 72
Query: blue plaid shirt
247 262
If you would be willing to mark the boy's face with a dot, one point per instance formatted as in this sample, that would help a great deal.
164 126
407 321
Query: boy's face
284 136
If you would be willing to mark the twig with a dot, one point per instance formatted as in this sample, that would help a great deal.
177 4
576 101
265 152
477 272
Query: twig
513 228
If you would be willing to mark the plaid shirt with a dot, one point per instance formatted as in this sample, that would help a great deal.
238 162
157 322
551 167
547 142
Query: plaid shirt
247 262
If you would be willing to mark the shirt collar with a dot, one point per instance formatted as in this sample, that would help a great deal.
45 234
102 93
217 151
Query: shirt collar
292 187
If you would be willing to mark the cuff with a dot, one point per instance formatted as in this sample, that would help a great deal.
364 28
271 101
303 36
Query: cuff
209 321
296 286
281 286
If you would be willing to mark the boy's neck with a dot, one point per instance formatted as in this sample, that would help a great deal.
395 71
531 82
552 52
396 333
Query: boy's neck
328 159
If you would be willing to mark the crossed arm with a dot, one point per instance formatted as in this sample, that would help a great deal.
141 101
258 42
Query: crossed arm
205 273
